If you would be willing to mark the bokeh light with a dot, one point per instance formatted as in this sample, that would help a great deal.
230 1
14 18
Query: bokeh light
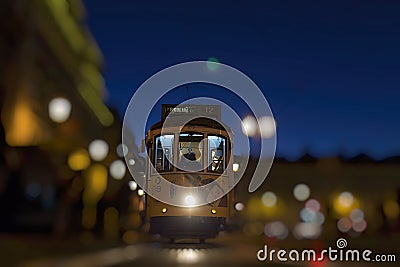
132 185
212 63
96 179
344 203
360 226
276 229
301 192
356 215
98 149
269 199
239 206
117 169
267 126
79 160
59 109
308 215
345 199
391 209
122 150
344 224
307 231
249 126
313 204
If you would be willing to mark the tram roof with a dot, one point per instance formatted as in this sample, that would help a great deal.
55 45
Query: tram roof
201 121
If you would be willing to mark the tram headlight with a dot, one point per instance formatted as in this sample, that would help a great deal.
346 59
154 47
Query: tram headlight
164 210
213 211
190 201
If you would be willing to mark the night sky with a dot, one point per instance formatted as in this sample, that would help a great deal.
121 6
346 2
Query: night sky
331 72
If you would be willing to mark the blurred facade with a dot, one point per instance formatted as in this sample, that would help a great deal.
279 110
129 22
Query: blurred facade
322 199
52 109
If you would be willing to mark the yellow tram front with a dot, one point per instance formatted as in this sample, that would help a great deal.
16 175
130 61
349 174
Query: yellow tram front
204 144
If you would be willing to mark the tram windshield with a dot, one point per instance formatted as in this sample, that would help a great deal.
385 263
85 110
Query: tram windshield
190 151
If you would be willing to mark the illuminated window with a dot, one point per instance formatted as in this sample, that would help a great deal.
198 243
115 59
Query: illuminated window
216 153
190 151
164 152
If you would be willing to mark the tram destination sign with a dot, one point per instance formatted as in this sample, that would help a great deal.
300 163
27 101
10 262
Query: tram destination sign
199 110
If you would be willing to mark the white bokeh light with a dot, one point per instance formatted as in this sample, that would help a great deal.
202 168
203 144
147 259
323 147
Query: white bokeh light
117 169
267 126
249 126
98 149
239 206
269 199
59 109
122 150
140 192
301 192
356 215
132 185
346 199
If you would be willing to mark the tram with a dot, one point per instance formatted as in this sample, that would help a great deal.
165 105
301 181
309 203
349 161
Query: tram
202 142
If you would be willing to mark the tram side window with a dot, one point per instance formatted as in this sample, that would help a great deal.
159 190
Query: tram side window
164 153
216 153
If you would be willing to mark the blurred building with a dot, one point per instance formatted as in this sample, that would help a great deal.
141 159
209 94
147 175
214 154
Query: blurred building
52 95
323 198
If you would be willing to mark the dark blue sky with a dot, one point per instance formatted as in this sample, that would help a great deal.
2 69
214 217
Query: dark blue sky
331 72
